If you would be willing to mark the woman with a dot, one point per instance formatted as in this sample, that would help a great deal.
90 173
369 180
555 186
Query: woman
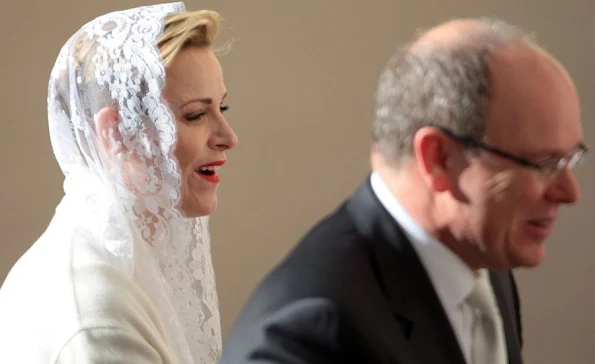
123 273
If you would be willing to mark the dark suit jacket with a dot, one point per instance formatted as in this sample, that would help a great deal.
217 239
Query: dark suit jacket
354 291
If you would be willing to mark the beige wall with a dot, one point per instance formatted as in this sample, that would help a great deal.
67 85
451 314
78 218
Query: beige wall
301 79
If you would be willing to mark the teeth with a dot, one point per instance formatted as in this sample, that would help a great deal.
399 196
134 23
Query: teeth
210 168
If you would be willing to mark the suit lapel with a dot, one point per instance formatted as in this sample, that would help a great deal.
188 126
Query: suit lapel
426 330
501 283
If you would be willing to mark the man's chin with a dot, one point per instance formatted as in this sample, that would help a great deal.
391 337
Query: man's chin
530 257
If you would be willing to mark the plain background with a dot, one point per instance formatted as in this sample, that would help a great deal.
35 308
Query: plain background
301 78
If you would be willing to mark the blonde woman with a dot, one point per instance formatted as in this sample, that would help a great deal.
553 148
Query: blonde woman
123 272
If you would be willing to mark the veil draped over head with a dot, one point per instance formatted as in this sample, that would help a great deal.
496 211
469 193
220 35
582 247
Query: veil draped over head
122 183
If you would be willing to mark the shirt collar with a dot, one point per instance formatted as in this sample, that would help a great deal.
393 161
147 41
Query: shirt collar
453 280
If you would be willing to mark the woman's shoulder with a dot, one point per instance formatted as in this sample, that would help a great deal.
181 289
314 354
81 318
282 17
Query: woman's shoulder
61 289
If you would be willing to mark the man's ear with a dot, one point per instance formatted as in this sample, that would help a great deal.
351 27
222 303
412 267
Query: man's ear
431 154
108 134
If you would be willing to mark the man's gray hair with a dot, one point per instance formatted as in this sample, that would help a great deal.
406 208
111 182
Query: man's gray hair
443 85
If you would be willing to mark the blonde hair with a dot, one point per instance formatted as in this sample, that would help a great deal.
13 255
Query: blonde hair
189 28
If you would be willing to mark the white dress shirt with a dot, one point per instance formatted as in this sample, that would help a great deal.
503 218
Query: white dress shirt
453 280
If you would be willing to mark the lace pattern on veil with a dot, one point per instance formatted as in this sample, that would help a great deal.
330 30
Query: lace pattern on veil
113 62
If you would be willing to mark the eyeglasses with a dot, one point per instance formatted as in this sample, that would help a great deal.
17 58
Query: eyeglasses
550 168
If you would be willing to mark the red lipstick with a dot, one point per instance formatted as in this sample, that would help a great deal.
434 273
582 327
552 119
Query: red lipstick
208 171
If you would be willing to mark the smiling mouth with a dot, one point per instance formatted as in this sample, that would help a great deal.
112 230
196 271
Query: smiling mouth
541 223
540 228
208 170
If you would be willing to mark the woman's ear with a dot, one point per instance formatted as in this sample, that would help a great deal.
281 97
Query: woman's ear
108 134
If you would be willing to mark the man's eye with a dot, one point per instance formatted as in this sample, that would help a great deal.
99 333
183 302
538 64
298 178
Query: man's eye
223 108
548 164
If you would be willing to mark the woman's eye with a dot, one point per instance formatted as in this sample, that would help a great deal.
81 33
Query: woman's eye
195 116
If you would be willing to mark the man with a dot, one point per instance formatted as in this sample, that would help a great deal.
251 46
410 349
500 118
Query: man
476 133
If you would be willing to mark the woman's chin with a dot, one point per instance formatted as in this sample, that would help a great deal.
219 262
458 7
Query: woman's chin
199 206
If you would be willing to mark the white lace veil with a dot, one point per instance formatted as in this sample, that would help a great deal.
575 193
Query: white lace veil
124 195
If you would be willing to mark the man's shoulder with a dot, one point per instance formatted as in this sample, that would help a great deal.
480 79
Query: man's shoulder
331 242
321 264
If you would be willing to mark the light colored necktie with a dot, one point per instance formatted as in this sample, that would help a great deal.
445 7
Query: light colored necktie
489 346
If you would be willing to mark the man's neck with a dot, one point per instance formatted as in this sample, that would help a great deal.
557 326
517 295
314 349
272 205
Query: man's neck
409 189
